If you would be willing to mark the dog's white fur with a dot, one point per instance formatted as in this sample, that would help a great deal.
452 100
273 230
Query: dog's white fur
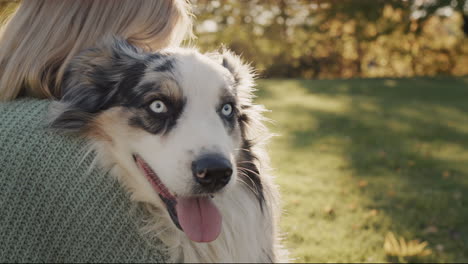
248 229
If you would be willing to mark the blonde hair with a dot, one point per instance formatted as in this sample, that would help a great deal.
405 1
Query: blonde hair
42 36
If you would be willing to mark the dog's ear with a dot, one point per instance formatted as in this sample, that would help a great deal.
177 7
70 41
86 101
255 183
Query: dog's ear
92 81
242 72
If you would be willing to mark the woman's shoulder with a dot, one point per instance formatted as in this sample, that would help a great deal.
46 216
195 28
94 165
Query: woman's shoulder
54 207
27 142
22 114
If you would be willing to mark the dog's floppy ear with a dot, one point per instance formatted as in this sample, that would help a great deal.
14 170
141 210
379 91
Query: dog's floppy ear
92 81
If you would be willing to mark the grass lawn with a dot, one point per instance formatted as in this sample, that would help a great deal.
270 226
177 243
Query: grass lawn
356 159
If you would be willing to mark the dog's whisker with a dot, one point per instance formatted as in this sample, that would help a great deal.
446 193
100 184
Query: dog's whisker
246 162
249 170
244 149
255 191
247 176
250 179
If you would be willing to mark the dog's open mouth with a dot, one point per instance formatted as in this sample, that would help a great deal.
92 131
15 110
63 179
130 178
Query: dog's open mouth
196 216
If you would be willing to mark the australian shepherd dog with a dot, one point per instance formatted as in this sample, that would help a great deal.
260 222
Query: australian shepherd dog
180 132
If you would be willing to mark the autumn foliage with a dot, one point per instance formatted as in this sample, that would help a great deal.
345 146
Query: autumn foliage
339 39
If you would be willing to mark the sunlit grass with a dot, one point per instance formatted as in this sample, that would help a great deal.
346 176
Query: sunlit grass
356 159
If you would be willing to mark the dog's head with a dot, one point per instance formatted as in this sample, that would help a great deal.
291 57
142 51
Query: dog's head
177 121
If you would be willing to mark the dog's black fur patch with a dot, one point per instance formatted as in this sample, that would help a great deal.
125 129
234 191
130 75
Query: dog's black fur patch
247 163
248 169
109 76
226 64
167 65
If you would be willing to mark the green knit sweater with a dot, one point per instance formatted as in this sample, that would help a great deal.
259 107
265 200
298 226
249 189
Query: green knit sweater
52 207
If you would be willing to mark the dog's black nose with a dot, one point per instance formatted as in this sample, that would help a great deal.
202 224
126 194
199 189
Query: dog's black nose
212 172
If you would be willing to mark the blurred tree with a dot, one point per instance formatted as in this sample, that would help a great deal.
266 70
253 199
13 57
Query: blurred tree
339 38
422 10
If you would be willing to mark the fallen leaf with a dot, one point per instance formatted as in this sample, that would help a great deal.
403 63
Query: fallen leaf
363 183
372 213
411 163
382 154
403 248
352 206
391 193
446 174
329 210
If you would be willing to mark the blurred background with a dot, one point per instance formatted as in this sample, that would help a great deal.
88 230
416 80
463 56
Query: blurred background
369 101
341 38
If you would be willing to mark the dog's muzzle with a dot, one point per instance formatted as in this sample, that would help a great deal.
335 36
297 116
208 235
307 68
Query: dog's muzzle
212 172
197 216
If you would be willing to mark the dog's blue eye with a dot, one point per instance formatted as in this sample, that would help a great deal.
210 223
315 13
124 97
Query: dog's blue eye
227 110
158 106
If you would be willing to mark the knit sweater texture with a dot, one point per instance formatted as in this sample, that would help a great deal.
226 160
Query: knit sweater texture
53 207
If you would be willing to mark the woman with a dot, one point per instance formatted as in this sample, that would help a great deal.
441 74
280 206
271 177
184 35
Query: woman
53 207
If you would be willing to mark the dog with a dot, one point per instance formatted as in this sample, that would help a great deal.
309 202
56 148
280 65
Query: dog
180 131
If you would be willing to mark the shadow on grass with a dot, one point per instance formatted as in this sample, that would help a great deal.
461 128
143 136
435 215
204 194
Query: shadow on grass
407 139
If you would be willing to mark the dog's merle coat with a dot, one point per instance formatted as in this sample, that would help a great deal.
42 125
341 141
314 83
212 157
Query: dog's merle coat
119 78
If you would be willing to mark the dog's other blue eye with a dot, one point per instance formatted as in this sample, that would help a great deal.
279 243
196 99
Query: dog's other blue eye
158 106
227 110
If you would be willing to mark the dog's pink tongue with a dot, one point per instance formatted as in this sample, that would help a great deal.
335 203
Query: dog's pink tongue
199 218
